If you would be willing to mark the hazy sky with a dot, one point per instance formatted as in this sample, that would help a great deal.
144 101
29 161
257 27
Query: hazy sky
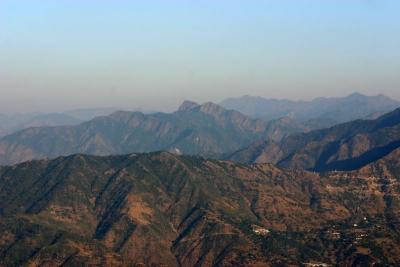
60 54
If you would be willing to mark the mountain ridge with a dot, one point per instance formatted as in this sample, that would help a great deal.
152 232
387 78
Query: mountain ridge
340 109
204 129
13 123
344 146
162 209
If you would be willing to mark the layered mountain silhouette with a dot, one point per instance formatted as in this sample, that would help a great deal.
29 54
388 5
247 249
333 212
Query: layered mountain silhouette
322 112
345 146
194 129
86 114
13 123
161 209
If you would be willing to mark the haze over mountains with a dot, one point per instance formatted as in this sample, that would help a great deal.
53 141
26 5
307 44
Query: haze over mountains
13 123
199 133
16 122
161 209
336 110
206 129
260 207
200 129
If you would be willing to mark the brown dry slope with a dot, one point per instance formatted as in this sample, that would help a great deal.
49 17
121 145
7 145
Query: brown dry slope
162 209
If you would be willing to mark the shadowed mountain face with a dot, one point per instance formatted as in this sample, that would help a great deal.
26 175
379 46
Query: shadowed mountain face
171 210
352 107
346 146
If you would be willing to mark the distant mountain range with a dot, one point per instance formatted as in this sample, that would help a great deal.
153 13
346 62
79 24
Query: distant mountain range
161 209
303 116
14 123
206 129
90 113
334 110
345 146
284 195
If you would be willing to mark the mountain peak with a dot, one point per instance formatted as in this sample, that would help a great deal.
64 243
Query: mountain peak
187 105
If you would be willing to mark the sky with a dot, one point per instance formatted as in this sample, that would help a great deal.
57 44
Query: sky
60 55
